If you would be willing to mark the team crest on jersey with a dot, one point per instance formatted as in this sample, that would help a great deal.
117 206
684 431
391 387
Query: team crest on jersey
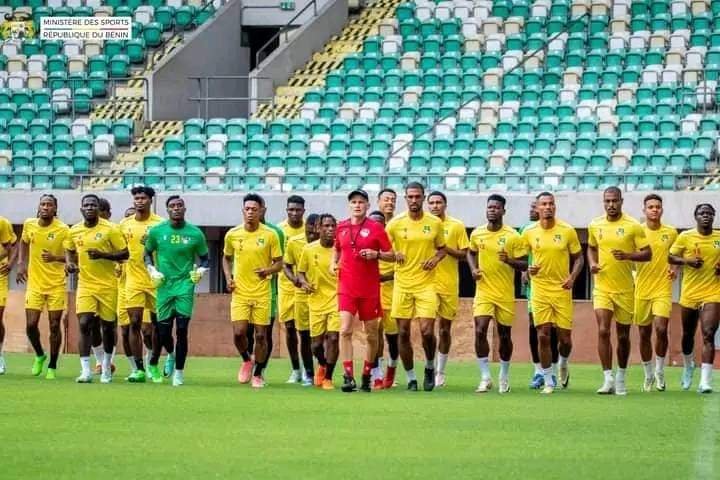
716 244
426 229
260 242
98 236
502 241
665 237
557 238
51 236
364 232
620 232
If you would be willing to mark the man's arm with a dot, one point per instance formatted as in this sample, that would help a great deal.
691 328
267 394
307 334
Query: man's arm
431 263
204 261
592 255
227 261
642 255
23 250
459 253
12 254
71 259
304 284
578 261
472 260
520 263
116 256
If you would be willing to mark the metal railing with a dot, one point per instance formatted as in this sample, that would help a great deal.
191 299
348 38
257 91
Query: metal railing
203 96
284 29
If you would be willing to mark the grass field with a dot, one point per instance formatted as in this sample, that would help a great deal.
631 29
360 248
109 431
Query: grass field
214 428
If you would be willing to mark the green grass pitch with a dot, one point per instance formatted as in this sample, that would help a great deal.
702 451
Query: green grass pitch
214 428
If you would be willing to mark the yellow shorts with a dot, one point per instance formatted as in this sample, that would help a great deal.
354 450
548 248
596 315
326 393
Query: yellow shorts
447 306
301 314
646 309
256 312
420 304
122 314
621 304
502 312
694 304
55 301
104 306
140 298
324 322
286 309
555 309
386 295
389 324
4 287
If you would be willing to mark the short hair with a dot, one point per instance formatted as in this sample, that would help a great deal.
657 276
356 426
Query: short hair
149 191
613 189
415 186
171 198
104 204
325 216
700 205
439 194
544 194
652 196
51 197
386 190
89 195
296 199
497 198
253 197
312 218
376 213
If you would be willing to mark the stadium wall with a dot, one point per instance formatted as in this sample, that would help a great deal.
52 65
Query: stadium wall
259 13
214 49
225 210
211 332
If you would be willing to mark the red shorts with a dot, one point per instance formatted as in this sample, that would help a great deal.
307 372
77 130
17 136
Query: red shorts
364 308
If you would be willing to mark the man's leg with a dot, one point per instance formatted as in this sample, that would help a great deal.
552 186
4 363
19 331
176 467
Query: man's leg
537 380
689 323
393 355
645 332
370 328
306 353
240 338
54 319
2 340
444 344
137 337
291 341
604 322
97 345
346 350
318 348
554 349
251 339
125 332
661 347
332 350
709 317
406 351
505 348
182 331
482 351
86 322
429 343
564 349
32 319
109 329
261 353
377 371
544 335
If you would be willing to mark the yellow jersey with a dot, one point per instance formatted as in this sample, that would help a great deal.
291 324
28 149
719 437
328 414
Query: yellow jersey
652 280
625 234
293 253
96 276
699 284
315 264
447 281
497 282
418 240
135 231
250 251
7 235
284 284
550 249
44 276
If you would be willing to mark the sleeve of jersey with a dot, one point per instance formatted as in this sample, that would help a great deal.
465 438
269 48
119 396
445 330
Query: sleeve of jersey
151 241
202 247
439 236
518 247
117 239
303 263
574 242
228 249
471 244
384 240
592 241
463 241
288 256
641 240
7 235
69 242
276 250
25 236
678 247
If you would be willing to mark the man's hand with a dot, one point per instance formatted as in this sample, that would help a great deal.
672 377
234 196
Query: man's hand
696 262
307 287
156 276
21 276
95 254
672 274
568 283
620 255
430 263
197 273
533 269
333 268
262 273
5 269
230 285
595 268
47 257
476 273
503 256
297 283
71 268
369 254
717 269
399 258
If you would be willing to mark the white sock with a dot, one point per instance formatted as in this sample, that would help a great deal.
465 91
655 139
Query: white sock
99 354
647 366
442 361
85 365
688 360
538 369
504 369
148 354
381 365
133 365
430 364
106 369
548 376
410 375
608 375
620 375
706 373
112 357
374 373
392 363
555 369
562 361
484 368
660 364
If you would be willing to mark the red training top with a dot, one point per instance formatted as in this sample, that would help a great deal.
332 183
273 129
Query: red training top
360 277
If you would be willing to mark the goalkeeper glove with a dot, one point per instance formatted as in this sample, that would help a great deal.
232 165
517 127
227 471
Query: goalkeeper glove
156 277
